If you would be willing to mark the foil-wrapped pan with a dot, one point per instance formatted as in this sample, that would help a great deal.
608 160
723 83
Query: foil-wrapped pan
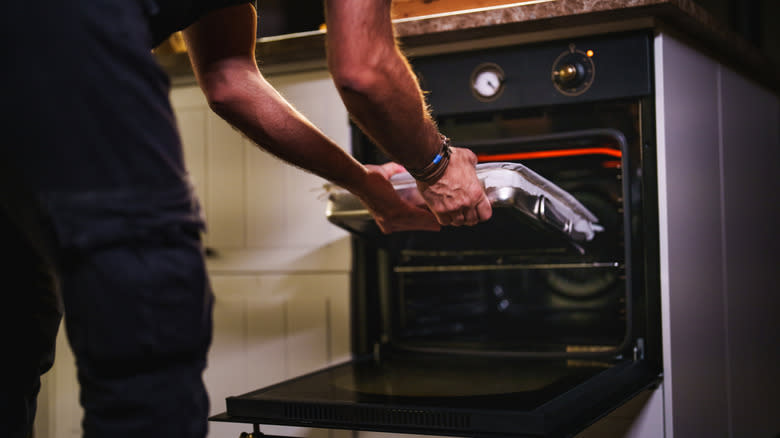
507 185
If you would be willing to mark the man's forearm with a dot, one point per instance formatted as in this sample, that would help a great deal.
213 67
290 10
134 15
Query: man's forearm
376 83
382 95
274 125
221 49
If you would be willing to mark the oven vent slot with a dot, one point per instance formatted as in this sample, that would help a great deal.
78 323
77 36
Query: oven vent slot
389 417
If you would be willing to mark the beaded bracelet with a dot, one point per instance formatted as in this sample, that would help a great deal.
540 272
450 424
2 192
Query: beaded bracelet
433 171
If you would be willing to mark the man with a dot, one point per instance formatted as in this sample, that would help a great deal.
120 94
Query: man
95 206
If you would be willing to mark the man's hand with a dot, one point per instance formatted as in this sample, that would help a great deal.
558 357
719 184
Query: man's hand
458 197
390 211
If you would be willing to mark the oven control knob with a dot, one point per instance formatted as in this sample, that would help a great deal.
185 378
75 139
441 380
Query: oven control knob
573 72
569 75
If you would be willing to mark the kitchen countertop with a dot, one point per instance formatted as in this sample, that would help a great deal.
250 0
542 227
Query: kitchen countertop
529 21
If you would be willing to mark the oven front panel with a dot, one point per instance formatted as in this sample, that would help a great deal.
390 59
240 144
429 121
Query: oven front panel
595 69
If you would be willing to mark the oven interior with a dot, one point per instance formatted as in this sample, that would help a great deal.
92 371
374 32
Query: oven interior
510 286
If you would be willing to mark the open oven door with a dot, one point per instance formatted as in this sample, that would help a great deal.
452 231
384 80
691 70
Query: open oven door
448 395
442 361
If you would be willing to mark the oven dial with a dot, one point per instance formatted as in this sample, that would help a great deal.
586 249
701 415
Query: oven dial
487 82
573 72
569 75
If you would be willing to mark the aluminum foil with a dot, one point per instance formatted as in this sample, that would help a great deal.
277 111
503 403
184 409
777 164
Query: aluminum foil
508 185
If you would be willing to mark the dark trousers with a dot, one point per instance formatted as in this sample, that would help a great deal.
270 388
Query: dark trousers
30 312
138 318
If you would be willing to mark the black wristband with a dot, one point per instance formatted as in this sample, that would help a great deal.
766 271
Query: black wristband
433 171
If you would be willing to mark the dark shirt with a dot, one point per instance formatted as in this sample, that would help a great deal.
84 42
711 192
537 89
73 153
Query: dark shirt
88 127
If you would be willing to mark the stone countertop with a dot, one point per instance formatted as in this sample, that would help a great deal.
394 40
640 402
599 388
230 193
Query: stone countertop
542 12
530 21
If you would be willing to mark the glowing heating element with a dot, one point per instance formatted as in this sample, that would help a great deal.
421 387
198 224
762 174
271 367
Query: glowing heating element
555 153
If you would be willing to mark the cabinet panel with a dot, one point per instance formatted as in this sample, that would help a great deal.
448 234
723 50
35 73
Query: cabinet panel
226 372
192 122
225 167
269 327
309 322
307 331
750 154
266 343
268 221
718 145
339 324
690 230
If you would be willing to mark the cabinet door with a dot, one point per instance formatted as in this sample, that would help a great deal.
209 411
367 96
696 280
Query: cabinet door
270 327
718 145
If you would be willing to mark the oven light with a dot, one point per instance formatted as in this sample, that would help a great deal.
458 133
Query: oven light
555 153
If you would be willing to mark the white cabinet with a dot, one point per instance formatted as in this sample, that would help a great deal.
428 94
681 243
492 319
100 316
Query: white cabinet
718 142
271 327
718 145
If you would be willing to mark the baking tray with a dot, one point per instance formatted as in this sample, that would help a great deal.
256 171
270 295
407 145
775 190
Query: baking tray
509 186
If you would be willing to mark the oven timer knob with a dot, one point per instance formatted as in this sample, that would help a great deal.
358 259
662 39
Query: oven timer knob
573 72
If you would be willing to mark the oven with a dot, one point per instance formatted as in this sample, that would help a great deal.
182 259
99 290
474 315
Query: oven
510 327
